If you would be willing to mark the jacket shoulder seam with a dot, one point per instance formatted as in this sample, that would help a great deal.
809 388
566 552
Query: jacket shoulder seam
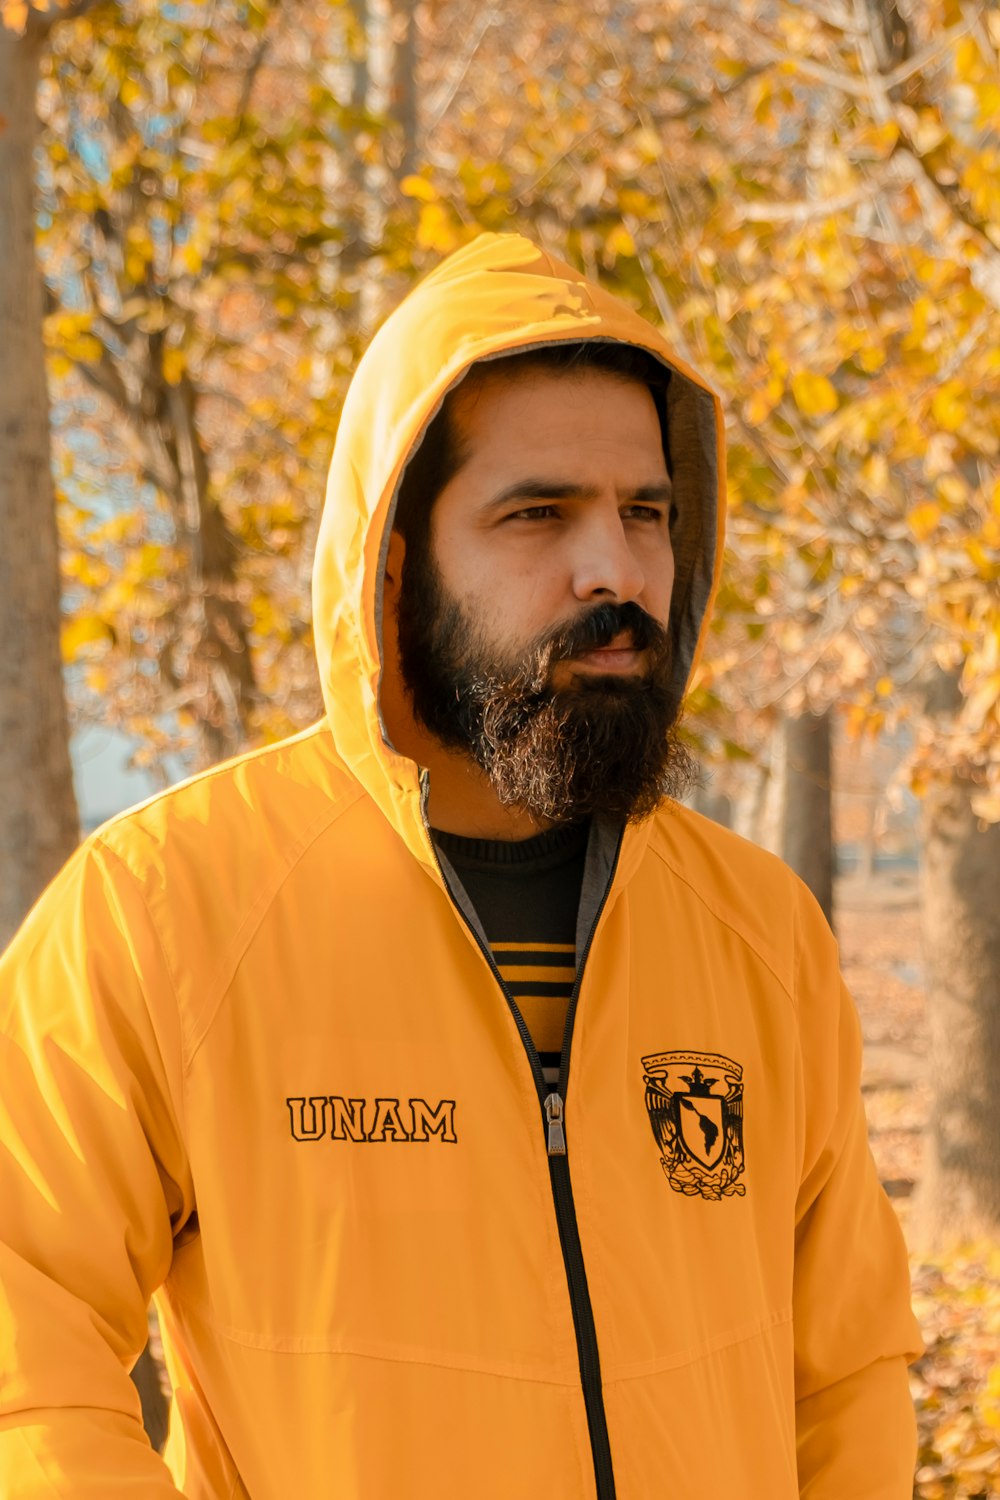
255 916
197 1029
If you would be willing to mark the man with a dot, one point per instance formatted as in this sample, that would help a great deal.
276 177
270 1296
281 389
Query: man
482 1121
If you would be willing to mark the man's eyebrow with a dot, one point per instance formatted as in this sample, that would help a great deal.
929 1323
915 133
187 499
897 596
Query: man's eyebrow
548 489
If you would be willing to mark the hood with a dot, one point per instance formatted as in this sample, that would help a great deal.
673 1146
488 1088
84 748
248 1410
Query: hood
496 295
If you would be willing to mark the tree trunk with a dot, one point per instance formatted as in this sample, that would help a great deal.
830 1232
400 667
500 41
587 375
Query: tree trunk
959 1194
767 810
39 826
807 824
219 667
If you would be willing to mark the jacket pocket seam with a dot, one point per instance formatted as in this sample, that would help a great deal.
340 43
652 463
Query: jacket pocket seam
305 1344
731 1340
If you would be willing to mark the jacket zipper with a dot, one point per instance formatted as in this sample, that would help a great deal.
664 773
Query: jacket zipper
569 1233
553 1106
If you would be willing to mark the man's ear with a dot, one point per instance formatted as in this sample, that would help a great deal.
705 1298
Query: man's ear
394 560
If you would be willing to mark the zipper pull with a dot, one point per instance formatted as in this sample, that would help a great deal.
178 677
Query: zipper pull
554 1115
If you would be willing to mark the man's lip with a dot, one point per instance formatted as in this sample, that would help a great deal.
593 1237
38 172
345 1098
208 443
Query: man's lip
615 657
621 642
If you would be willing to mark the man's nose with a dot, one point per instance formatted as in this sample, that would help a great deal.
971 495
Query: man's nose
605 566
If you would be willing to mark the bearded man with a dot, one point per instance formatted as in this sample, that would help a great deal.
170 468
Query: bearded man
480 1119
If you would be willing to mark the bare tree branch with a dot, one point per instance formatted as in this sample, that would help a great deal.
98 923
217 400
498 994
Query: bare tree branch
847 83
797 213
442 101
249 79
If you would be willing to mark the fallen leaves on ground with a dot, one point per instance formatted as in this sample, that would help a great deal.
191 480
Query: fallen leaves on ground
956 1385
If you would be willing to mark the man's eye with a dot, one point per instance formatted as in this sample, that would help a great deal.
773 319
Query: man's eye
645 512
533 513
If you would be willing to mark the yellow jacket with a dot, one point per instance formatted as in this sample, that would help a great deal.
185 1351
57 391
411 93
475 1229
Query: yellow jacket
255 1065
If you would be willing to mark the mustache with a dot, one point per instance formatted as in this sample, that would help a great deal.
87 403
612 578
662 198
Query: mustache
598 628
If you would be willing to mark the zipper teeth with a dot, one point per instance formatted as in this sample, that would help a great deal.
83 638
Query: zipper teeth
584 1327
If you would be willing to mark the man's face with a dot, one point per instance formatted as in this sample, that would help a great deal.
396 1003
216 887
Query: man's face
533 625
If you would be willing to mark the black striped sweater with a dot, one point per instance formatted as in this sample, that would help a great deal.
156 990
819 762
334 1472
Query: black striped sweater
526 894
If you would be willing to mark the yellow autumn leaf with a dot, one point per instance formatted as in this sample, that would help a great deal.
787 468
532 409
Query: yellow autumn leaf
763 108
620 241
149 561
924 520
87 571
953 489
880 139
120 528
632 201
434 230
968 59
871 358
988 101
84 350
85 630
986 565
174 365
948 408
14 15
646 142
814 394
763 401
418 187
884 687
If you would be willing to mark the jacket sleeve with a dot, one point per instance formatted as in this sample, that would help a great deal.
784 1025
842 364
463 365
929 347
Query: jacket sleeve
854 1329
93 1185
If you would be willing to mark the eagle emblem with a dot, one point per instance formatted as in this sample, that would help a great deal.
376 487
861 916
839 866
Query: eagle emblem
695 1106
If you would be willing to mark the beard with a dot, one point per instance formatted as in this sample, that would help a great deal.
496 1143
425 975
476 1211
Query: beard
602 746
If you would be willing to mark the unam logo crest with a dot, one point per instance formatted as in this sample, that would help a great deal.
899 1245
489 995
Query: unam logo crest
695 1106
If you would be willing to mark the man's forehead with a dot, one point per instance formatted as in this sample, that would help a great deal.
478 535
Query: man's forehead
486 400
507 379
552 427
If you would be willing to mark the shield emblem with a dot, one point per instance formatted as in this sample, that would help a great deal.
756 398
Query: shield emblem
702 1128
695 1106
